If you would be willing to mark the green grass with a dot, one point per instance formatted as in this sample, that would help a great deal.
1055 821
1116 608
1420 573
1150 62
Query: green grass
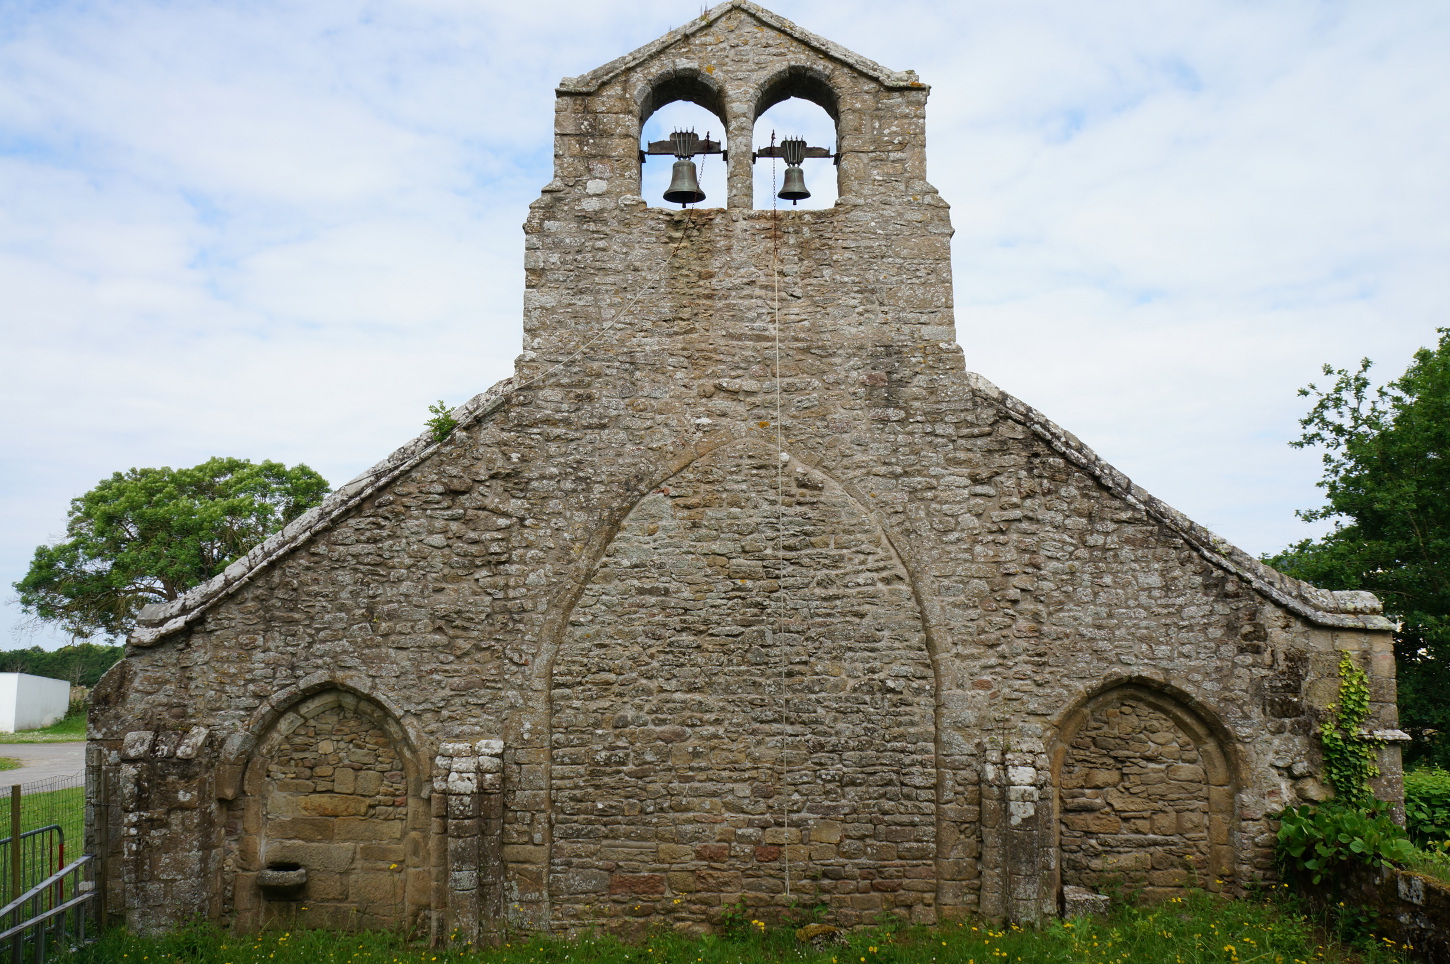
9 763
64 807
1197 929
68 730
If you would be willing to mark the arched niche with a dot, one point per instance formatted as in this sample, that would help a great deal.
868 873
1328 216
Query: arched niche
333 788
1145 783
682 99
797 102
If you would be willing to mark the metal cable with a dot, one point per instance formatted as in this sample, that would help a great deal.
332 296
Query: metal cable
780 461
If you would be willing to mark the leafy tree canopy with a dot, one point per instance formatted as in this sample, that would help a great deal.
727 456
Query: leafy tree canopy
149 535
81 663
1387 483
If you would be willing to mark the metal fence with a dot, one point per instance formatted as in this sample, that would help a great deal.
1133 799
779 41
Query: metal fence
52 917
48 902
41 853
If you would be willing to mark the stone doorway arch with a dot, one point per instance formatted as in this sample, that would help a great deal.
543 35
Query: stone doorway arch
334 830
1145 794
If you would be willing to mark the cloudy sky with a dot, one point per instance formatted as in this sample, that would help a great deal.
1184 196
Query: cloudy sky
281 229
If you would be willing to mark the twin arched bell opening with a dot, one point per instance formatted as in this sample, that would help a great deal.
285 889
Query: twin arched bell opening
685 179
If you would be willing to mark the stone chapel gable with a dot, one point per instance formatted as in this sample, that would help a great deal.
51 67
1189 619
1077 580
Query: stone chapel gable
741 588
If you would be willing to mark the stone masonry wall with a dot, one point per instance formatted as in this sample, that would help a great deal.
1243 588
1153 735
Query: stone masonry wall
957 580
747 741
1135 802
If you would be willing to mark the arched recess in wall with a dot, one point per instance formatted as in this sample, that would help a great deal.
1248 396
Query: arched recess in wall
331 828
797 102
1146 781
708 733
683 99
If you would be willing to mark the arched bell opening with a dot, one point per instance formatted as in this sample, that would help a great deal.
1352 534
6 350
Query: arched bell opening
683 101
797 104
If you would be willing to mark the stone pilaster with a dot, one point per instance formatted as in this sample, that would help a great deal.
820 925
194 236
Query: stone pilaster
468 816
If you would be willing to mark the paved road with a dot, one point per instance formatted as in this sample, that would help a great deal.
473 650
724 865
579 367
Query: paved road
41 761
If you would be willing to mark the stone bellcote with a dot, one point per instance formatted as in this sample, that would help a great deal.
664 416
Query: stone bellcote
737 61
614 284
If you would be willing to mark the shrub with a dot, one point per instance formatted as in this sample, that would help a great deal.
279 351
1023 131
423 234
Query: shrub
1316 842
1427 805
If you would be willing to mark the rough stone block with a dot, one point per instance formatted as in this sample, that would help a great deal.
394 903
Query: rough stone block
1081 902
375 888
363 828
137 744
675 853
580 881
641 884
319 856
301 828
332 805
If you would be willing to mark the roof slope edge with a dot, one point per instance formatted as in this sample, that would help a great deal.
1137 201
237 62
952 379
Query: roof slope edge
594 79
160 620
1345 609
1341 610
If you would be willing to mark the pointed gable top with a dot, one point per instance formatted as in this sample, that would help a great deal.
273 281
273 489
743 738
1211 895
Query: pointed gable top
592 81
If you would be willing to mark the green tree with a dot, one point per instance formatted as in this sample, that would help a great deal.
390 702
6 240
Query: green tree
81 663
149 535
1387 483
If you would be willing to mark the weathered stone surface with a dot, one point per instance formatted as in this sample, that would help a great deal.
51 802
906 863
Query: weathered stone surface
742 588
1081 902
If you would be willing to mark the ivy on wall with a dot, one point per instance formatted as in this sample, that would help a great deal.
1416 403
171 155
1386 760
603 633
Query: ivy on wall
1349 753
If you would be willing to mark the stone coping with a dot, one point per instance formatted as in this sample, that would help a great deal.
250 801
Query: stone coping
1345 609
159 620
592 81
1352 609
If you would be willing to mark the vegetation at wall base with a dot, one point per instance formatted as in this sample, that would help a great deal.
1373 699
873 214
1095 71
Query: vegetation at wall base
1319 847
1316 844
1196 929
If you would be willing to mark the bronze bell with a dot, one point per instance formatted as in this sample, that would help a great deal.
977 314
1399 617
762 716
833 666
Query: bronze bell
684 185
794 188
793 149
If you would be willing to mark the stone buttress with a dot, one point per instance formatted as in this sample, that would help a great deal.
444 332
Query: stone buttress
742 591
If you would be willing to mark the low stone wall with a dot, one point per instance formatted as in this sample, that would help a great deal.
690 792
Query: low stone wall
1411 908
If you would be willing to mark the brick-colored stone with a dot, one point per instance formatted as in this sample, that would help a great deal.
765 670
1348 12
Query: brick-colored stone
643 884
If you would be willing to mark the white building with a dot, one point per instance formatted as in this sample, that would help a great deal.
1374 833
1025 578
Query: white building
31 702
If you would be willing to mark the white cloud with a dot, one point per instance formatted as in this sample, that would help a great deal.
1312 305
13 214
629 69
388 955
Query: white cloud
281 230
